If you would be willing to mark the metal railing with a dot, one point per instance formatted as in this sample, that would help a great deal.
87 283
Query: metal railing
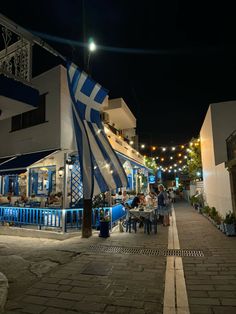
231 146
57 219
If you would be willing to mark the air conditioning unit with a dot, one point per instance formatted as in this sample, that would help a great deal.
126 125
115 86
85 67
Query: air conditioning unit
105 117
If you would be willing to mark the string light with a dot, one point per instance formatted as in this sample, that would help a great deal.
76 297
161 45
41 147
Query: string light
163 149
171 157
173 148
142 146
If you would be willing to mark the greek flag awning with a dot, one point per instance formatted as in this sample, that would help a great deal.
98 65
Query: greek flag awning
100 167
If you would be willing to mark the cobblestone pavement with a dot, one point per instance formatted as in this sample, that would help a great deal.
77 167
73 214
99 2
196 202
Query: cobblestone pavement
48 276
210 280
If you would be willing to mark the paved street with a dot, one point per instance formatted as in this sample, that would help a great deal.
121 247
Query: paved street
50 276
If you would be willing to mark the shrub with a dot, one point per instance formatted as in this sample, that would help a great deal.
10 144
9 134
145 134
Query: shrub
213 213
230 218
206 210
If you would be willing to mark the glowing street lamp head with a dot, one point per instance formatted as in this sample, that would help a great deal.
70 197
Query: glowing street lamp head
92 46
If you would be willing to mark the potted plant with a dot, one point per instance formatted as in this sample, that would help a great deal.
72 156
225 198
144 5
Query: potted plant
229 224
206 211
104 224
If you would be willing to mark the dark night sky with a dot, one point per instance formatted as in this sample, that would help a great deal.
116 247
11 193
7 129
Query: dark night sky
193 63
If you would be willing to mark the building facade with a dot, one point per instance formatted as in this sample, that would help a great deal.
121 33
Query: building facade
35 142
219 123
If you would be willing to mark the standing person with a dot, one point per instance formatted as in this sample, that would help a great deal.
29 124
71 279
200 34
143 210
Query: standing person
163 202
172 196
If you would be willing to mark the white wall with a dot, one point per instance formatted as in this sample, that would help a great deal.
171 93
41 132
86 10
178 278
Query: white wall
223 124
66 120
215 177
39 137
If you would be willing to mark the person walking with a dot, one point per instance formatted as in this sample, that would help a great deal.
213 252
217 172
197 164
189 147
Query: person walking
163 205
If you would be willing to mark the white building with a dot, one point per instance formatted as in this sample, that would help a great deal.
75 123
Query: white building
34 141
218 172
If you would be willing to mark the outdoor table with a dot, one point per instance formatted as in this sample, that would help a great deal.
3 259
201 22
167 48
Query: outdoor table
148 214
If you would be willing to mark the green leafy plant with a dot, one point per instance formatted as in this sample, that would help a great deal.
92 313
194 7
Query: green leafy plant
213 212
230 218
206 210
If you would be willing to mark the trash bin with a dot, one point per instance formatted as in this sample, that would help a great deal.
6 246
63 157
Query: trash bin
104 229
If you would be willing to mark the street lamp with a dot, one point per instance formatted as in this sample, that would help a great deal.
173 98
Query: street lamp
91 47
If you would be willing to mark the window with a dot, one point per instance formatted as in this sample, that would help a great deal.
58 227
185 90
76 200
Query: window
30 118
42 180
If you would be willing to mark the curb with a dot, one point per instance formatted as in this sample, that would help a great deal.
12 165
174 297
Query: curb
3 291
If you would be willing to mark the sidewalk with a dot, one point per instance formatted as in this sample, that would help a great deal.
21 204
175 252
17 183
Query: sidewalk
210 280
94 282
77 276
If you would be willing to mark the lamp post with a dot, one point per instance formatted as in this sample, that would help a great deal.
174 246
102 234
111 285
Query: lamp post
91 48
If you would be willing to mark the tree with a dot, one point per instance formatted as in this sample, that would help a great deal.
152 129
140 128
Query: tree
194 162
150 163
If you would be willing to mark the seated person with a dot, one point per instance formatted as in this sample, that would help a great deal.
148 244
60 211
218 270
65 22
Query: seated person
125 197
119 197
136 201
23 198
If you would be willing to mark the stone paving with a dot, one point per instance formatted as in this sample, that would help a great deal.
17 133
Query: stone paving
50 276
210 280
59 279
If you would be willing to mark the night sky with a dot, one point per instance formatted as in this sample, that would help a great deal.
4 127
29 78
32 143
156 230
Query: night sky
177 57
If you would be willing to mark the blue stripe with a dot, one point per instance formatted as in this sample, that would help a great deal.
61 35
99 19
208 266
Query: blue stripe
100 179
106 157
81 109
101 95
100 126
75 80
95 116
88 86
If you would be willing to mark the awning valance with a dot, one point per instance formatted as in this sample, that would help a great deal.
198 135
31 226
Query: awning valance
18 164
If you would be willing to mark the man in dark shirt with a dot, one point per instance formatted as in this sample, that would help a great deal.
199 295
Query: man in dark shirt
136 201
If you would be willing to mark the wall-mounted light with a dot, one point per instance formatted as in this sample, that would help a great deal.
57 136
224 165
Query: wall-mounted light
61 171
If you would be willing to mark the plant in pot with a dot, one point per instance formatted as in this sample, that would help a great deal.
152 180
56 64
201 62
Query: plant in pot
212 215
229 224
105 220
206 211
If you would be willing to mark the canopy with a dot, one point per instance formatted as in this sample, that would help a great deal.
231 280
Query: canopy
19 163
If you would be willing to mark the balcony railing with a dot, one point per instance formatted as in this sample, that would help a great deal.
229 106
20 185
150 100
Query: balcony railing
231 146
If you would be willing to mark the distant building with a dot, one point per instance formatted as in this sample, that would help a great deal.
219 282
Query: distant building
219 168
